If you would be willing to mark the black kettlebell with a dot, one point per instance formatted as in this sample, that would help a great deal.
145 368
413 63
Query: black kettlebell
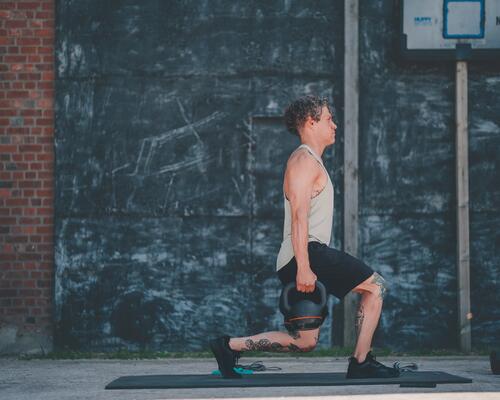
304 314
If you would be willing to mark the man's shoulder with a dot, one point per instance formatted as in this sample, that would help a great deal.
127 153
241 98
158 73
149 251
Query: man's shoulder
300 156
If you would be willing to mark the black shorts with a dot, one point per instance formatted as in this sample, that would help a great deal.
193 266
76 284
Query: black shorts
338 271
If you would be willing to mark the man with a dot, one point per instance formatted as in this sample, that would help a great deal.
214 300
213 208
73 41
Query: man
304 255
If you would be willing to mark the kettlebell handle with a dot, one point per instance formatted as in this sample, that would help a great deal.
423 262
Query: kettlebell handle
292 285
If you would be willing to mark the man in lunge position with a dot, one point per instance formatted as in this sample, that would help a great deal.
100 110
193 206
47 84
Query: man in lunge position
304 255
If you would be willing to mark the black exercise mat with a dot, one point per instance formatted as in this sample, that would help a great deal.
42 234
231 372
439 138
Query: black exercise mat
407 379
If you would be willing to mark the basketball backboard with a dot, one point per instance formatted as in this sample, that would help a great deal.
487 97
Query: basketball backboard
450 29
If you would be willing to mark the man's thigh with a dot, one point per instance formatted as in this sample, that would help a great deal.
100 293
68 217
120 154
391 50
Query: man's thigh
338 270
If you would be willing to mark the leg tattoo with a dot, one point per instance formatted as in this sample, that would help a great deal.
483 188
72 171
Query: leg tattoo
359 319
294 334
293 347
380 282
266 345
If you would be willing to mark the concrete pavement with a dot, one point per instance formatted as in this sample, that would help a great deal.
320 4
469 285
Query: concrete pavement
86 379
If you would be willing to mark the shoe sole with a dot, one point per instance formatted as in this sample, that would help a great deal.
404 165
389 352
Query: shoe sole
374 376
371 377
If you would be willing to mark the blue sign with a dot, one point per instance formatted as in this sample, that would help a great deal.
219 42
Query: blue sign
423 21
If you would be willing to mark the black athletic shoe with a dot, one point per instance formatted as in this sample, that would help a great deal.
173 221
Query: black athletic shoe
370 368
225 356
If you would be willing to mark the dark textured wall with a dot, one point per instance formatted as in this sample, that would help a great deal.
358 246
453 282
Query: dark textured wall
484 186
407 189
170 152
170 158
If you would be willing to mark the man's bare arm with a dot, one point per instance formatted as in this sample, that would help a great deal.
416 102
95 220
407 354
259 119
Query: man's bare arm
300 176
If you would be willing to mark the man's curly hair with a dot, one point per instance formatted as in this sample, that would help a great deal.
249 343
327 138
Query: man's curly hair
297 112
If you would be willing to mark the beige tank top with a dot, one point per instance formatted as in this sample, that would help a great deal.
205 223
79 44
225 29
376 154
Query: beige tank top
320 218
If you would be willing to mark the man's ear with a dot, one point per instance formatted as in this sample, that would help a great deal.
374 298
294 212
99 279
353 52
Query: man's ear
309 121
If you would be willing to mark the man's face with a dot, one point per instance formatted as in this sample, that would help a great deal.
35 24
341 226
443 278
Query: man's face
325 127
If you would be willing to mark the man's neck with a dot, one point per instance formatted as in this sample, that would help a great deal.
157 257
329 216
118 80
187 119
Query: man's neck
317 148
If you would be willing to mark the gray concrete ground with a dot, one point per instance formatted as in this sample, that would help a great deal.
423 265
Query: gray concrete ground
86 379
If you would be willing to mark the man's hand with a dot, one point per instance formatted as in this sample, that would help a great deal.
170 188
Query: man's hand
306 281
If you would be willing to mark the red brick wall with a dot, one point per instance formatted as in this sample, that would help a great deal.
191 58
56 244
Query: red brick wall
26 173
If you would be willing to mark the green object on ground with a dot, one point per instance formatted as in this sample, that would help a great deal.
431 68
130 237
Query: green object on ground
238 370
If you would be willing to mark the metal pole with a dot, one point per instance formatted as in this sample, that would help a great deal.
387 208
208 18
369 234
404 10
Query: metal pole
462 185
351 98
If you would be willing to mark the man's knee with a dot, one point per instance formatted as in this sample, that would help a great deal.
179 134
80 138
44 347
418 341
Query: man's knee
379 284
305 340
375 284
307 344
